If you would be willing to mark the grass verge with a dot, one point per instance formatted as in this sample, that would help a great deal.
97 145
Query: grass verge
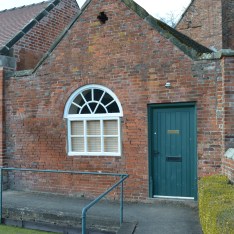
13 230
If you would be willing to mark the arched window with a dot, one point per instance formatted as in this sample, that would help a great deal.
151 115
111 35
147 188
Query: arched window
93 115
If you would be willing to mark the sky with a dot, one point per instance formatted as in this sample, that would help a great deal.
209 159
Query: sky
157 8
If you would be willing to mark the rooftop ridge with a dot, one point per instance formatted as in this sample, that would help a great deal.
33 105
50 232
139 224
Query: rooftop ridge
25 6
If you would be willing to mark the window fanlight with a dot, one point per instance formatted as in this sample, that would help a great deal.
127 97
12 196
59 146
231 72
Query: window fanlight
93 113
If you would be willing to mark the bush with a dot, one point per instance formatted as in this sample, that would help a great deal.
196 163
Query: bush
216 205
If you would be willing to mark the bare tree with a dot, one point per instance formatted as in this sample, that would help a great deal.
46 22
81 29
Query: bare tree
171 19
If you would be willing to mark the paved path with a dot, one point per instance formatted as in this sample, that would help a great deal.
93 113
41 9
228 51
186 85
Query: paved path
152 218
164 219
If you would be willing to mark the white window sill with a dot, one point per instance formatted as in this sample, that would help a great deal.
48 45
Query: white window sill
95 154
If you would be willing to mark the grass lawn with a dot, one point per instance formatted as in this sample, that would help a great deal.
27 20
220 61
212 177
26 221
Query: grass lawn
12 230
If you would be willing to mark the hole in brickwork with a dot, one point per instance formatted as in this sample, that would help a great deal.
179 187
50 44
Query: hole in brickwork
102 17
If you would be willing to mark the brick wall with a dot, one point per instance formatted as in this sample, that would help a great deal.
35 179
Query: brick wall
228 168
210 23
2 139
37 41
7 64
228 21
133 60
228 74
203 23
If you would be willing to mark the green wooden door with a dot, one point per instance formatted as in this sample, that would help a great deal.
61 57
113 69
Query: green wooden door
173 152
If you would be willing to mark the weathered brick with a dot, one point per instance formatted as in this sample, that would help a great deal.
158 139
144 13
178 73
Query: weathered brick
210 22
133 60
31 47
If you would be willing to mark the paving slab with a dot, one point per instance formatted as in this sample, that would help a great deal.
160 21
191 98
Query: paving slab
155 216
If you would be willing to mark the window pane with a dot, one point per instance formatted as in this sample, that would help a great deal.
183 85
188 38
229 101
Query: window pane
100 110
93 127
77 144
111 144
85 110
79 100
113 108
110 127
77 128
74 109
88 95
94 144
93 106
106 99
97 94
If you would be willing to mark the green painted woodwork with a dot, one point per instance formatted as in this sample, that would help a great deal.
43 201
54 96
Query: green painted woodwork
172 154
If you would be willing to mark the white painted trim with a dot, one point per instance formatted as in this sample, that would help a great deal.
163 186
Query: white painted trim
173 197
95 116
86 117
68 135
86 103
119 137
102 135
76 105
85 136
92 86
110 103
99 154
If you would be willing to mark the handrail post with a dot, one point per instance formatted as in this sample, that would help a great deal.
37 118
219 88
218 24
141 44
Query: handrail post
121 201
85 209
83 221
1 185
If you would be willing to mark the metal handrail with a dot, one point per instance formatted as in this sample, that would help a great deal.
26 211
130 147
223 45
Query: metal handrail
91 204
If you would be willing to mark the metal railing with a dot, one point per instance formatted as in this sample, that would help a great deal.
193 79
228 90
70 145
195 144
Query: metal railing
123 177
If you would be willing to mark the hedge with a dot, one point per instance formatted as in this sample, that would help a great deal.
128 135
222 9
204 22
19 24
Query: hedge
216 205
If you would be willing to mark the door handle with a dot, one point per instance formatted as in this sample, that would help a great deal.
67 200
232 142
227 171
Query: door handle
156 153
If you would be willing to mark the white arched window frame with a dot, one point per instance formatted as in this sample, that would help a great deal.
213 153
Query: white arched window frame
93 114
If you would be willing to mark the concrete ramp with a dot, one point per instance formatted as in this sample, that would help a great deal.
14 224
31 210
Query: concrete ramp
62 214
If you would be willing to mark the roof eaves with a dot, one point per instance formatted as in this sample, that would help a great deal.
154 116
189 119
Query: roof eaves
19 73
217 55
5 50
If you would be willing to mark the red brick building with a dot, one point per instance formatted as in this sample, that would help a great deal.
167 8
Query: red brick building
116 91
209 23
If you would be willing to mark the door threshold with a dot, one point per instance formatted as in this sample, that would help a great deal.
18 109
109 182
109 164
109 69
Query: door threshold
173 197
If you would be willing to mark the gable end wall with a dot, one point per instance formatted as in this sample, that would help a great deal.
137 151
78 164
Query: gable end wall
31 47
209 22
203 23
132 59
